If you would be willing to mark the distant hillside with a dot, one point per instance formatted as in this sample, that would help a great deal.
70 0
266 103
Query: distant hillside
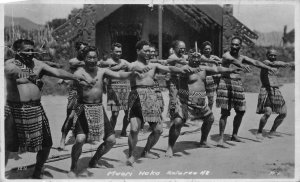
23 22
269 39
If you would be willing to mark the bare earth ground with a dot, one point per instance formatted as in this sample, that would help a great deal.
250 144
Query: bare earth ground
272 158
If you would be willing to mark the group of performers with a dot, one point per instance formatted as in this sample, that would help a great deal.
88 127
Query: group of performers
133 88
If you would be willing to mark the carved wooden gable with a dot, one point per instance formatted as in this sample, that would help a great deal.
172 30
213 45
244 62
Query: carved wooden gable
233 27
79 28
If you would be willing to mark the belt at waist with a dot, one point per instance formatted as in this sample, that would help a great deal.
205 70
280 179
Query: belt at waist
24 104
142 86
81 102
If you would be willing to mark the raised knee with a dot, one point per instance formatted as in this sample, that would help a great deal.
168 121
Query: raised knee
158 131
268 111
115 114
111 140
178 122
80 139
210 118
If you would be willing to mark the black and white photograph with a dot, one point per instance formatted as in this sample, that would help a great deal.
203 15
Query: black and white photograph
150 90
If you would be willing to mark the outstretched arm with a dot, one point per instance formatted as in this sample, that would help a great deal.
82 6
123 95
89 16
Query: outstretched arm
220 69
122 66
174 69
52 64
59 73
279 64
210 60
258 64
172 60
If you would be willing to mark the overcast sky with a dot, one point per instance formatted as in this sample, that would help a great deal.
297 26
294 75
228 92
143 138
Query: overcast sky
264 18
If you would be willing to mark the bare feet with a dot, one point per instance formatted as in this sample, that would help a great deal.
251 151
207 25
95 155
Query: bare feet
205 145
169 152
259 136
235 138
96 165
273 133
62 145
101 164
37 175
149 155
72 174
220 142
130 161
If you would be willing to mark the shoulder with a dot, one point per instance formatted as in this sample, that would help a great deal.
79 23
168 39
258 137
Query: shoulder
36 61
10 64
73 60
103 70
79 70
109 60
185 56
124 61
173 56
214 56
227 55
243 57
266 61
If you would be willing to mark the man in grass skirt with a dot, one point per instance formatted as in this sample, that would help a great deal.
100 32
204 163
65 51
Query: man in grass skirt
117 90
212 81
26 125
75 63
270 100
143 103
92 123
230 92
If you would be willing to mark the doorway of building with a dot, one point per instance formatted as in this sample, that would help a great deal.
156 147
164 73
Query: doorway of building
128 46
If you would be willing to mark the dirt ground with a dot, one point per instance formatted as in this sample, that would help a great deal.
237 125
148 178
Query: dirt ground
272 158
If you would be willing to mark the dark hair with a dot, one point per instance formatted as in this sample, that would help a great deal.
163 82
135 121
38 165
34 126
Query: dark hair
90 49
269 51
140 44
206 43
116 44
78 44
175 43
152 45
18 43
238 38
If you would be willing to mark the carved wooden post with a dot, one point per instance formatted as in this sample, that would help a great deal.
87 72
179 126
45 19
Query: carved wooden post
227 27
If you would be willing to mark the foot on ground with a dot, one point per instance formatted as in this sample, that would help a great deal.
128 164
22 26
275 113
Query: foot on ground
101 164
205 145
130 161
235 138
37 175
273 134
72 174
220 143
149 155
61 146
259 136
169 153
